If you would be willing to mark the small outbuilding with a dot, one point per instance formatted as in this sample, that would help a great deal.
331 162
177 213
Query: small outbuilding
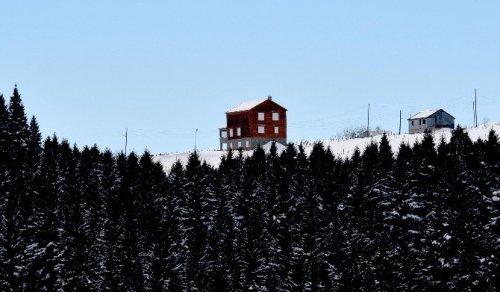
430 120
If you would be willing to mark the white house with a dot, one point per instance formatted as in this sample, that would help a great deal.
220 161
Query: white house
430 120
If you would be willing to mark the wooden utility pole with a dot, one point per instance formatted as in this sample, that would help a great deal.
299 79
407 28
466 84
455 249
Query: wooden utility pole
473 113
475 107
400 119
126 140
368 127
195 139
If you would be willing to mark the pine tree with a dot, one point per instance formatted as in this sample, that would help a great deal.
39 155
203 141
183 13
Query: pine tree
233 195
274 222
420 206
150 186
395 223
324 199
92 216
348 216
16 209
67 211
254 235
298 170
121 216
305 218
223 242
27 201
199 199
364 215
173 222
111 210
218 245
468 204
491 261
34 146
4 142
326 172
6 261
345 225
18 131
131 273
41 235
385 201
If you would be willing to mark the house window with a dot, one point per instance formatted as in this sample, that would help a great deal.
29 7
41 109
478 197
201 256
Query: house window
423 122
238 132
247 144
260 116
239 144
223 134
260 130
276 130
276 116
230 132
230 145
412 123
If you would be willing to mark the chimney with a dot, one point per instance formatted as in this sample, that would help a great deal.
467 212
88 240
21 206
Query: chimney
270 97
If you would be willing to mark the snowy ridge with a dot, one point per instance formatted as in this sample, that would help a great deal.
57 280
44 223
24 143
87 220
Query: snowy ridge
340 148
210 157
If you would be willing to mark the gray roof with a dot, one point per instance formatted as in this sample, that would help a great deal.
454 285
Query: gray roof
426 114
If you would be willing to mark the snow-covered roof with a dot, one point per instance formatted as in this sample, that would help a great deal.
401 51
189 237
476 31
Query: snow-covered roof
246 106
424 114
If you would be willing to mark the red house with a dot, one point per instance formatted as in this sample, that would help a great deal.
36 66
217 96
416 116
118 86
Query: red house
254 123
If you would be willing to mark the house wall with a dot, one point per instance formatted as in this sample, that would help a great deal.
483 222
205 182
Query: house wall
418 125
238 120
445 121
268 107
252 143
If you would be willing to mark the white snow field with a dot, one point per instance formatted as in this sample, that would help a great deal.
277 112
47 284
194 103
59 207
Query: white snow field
340 148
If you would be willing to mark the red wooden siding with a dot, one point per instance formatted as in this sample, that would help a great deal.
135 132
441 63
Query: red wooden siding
248 121
238 119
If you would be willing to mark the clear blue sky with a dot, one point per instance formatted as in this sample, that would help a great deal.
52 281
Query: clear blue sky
90 69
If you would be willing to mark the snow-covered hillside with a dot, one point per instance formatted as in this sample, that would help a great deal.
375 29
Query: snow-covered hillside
211 157
340 148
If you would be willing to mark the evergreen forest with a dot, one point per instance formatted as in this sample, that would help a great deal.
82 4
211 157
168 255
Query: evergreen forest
426 218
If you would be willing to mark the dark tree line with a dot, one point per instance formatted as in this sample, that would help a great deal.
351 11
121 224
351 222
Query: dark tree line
76 219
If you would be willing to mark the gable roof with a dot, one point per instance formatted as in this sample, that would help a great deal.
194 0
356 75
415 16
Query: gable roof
427 113
246 106
423 114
